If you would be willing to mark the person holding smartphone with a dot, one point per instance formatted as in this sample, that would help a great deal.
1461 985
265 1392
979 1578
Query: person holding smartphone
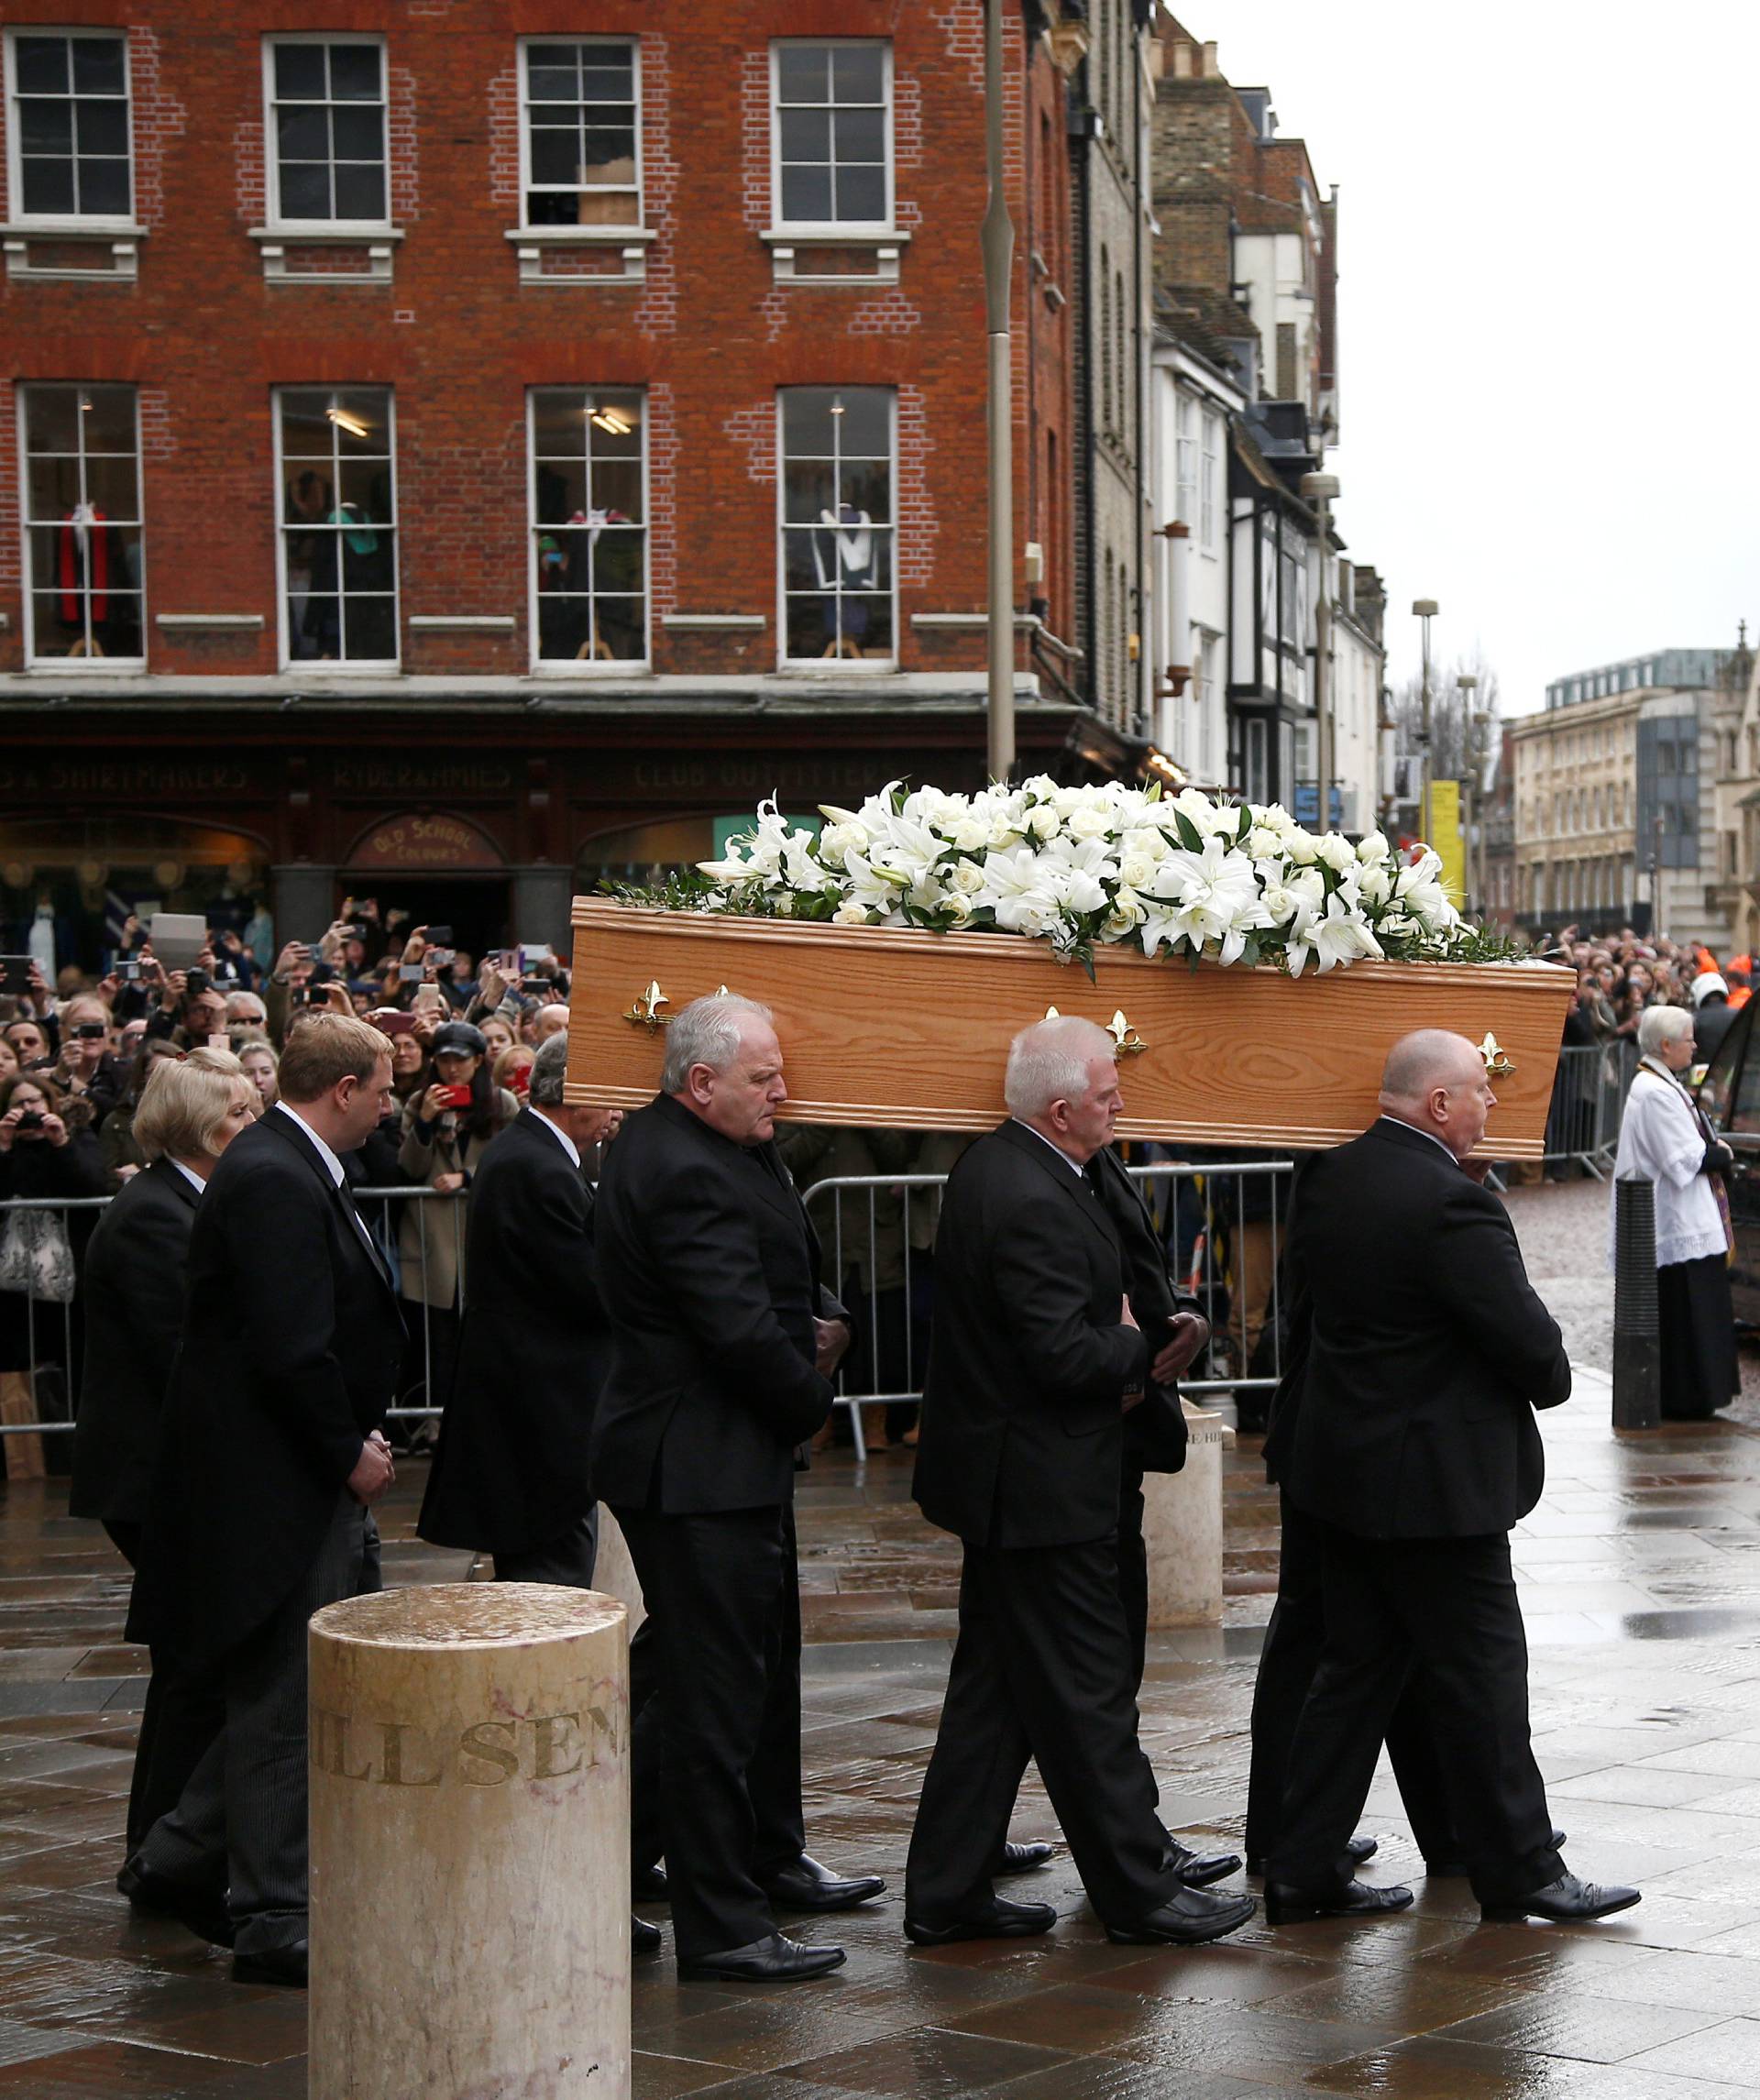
447 1126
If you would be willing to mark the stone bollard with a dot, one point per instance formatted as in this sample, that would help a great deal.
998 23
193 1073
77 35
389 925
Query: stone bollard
1183 1528
470 1845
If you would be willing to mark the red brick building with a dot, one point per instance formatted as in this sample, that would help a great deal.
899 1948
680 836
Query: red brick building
457 450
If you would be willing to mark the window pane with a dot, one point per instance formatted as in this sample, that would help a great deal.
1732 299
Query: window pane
806 422
803 73
555 155
47 185
40 65
97 65
866 422
108 418
354 73
302 134
861 194
858 72
806 134
808 488
103 188
620 623
51 419
369 629
305 429
103 129
556 420
46 126
53 488
370 407
305 191
867 621
806 194
357 134
552 72
360 191
867 485
607 155
365 485
118 628
617 561
366 553
57 621
607 75
614 443
113 486
561 487
799 568
564 628
617 488
299 72
811 627
861 134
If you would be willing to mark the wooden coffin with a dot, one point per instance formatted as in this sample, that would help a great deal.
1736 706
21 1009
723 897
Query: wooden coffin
910 1030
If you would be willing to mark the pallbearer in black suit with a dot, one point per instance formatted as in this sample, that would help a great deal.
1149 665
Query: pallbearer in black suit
510 1475
189 1114
1415 1449
724 1341
1035 1359
270 1455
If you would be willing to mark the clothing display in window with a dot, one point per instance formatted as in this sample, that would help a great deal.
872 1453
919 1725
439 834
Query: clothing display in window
845 558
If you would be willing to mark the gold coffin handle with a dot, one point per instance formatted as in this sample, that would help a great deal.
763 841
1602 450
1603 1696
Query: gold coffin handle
1130 1044
644 1013
1499 1064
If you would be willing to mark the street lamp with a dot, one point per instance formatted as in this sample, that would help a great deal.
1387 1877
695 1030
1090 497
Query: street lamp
1466 685
1321 491
1482 741
997 241
1425 609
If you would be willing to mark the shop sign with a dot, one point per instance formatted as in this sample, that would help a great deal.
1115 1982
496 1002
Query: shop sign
425 842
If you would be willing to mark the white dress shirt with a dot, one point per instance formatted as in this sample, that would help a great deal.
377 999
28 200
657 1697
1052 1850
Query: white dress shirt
560 1135
1400 1122
1074 1166
195 1180
332 1163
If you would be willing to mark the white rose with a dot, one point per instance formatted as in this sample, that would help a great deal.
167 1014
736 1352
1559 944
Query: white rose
1308 888
1301 846
1265 844
1336 851
1091 823
967 878
1044 823
1041 787
1373 848
1005 830
1376 886
958 908
851 914
1136 869
1145 842
971 833
1280 903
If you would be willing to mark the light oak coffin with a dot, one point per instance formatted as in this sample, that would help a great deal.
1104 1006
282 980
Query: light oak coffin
909 1029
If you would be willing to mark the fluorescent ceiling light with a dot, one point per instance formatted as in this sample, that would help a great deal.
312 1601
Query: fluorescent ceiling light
351 423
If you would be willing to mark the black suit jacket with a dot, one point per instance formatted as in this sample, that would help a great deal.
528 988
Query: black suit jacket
709 1272
1419 1349
1155 1433
133 1315
1022 1436
261 1430
509 1473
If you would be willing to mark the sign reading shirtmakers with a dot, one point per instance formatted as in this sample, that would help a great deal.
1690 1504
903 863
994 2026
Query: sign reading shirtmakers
481 1754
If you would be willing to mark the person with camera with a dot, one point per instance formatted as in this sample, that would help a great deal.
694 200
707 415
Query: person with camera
192 1010
27 1037
189 1111
269 1461
447 1129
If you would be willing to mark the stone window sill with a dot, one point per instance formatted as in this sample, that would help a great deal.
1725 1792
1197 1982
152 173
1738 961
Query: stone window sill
31 250
794 248
288 253
570 255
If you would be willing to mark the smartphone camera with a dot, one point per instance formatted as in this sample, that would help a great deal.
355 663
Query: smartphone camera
410 972
91 1031
196 980
31 1119
128 972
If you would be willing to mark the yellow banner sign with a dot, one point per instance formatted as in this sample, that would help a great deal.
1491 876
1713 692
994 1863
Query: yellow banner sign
1447 838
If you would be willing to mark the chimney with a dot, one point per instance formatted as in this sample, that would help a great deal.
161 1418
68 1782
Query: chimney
1184 53
1212 69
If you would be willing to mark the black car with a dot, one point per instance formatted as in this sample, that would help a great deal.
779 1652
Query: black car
1730 1096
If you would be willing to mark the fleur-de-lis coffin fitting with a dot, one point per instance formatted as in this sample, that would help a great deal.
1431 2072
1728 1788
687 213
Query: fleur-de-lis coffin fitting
1499 1064
646 1011
1130 1044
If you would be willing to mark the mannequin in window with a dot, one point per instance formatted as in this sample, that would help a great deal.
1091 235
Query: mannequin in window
589 525
308 501
844 559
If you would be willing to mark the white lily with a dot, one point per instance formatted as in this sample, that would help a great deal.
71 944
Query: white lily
1329 938
1215 898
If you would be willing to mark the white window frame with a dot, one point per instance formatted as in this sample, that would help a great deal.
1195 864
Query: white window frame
860 667
574 666
832 229
1185 460
340 666
271 146
1210 482
35 658
94 221
638 205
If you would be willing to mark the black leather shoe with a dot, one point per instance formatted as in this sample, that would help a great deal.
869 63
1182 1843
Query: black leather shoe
1187 1918
1286 1905
649 1885
1456 1870
645 1938
1567 1899
1356 1850
1022 1859
806 1886
1003 1920
772 1959
1198 1870
195 1909
284 1965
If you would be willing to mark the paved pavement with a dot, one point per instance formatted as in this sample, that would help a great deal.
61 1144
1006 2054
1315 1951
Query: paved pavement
1641 1571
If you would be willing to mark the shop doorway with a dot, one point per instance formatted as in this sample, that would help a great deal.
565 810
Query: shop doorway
479 909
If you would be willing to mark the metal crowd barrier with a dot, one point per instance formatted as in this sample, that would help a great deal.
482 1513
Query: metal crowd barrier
1222 1225
1588 1092
54 1330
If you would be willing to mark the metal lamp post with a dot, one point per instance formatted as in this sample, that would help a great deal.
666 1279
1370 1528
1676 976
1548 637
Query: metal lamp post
1425 608
1466 685
1482 743
1321 491
998 245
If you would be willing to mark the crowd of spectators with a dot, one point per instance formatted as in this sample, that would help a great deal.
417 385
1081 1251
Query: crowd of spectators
1619 975
74 1059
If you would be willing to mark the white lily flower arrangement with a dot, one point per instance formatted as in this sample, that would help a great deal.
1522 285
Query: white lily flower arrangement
1095 867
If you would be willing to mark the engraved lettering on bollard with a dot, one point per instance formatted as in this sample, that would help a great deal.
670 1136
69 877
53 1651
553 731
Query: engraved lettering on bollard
484 1753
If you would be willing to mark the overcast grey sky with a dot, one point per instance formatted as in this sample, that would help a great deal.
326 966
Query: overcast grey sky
1549 311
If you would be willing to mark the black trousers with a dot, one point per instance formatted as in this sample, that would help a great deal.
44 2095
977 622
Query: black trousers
240 1823
1286 1668
1041 1669
1133 1569
1447 1607
568 1560
716 1754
